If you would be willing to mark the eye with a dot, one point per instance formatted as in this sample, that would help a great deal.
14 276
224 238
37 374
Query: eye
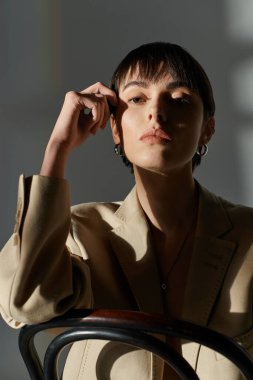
181 100
136 100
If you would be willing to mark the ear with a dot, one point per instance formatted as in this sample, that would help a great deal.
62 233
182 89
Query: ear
115 130
208 130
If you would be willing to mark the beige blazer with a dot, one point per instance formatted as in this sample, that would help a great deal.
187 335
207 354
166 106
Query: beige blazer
108 262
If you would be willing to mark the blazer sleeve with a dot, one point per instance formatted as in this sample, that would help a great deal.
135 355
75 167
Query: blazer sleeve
40 277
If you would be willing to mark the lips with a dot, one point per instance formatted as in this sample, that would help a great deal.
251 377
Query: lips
156 135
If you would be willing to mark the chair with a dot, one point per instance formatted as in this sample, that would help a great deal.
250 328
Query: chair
129 327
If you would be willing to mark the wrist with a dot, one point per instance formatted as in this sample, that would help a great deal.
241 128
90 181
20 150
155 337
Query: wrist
54 162
58 148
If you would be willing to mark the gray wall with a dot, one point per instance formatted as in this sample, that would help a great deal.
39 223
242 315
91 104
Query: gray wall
49 47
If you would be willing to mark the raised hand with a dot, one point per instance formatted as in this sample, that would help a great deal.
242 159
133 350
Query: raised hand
82 114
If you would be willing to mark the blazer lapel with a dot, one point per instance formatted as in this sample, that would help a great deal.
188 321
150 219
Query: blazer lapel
210 260
211 257
132 246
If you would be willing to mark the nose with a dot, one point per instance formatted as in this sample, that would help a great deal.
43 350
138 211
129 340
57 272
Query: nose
157 112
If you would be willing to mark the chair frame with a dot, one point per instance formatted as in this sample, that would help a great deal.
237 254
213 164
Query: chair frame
130 327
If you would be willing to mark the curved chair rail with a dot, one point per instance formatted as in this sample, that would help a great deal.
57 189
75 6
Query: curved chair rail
130 327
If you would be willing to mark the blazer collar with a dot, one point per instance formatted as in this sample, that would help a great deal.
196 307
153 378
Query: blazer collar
213 219
211 257
212 254
131 243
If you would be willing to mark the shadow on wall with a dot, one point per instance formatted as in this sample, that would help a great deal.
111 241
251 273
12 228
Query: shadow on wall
239 28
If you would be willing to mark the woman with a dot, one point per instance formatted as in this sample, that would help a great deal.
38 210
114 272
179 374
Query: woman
170 247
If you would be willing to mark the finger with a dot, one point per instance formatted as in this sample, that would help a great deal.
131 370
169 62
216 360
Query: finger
101 118
90 106
96 113
104 110
94 109
105 113
89 117
101 88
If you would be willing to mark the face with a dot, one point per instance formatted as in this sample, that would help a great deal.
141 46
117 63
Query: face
160 125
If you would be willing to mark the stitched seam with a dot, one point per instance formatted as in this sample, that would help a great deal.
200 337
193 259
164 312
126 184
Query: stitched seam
84 360
153 359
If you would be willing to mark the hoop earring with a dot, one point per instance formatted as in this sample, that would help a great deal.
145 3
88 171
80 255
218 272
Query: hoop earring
118 150
202 150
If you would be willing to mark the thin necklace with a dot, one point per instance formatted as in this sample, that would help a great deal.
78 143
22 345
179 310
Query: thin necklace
179 255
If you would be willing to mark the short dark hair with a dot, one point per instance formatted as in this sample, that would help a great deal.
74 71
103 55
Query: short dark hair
155 60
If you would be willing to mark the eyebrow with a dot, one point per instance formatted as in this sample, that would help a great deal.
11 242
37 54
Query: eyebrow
169 86
135 83
177 84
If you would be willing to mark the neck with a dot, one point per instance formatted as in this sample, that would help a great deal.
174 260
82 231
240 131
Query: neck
168 200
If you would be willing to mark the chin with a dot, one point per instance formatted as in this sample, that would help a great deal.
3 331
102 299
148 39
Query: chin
155 167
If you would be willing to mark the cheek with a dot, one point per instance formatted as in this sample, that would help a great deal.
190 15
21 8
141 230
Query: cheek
189 116
191 124
130 123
